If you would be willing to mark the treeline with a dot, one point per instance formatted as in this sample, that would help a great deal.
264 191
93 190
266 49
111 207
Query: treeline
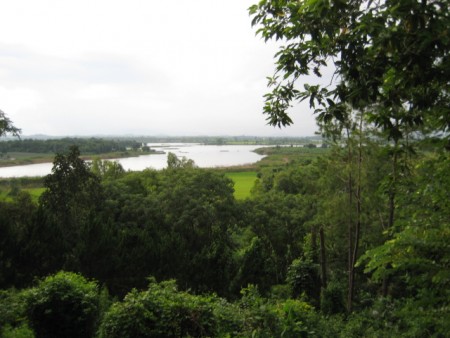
68 305
326 247
53 146
223 140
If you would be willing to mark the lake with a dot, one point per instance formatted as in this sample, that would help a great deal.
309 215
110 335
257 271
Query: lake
204 156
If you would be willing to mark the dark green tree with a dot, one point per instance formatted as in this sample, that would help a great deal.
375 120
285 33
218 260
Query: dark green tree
418 254
6 126
173 162
257 266
107 169
70 210
17 219
197 208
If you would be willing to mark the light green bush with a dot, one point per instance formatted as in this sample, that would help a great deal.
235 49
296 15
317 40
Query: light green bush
63 305
160 311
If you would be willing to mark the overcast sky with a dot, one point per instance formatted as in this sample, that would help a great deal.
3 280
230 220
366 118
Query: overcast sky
99 67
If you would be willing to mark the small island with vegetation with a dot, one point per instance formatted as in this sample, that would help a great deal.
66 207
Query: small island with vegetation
31 151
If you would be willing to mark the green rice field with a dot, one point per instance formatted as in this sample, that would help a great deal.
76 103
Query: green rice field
35 192
243 183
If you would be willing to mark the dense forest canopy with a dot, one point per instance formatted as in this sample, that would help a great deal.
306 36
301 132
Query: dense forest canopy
90 145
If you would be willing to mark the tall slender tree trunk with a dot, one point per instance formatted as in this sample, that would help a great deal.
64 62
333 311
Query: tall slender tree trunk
350 226
392 196
354 234
358 203
323 258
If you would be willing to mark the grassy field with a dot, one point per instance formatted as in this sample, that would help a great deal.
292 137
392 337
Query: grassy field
243 183
25 158
34 192
12 186
277 156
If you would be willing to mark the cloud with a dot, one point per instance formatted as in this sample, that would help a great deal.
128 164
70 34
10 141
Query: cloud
144 66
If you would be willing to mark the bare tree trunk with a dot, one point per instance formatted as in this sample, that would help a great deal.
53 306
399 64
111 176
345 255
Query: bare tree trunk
350 228
358 204
323 258
392 195
355 234
314 244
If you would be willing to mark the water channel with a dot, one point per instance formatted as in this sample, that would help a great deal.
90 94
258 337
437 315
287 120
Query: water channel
204 156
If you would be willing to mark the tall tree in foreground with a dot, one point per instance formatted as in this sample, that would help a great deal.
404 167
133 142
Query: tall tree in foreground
70 209
390 55
390 63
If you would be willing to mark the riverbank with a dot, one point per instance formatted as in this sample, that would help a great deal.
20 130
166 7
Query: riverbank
18 158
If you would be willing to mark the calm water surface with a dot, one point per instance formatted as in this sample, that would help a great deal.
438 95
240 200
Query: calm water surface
204 156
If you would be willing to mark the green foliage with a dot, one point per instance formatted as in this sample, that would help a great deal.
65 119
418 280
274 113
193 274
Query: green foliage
16 220
107 169
419 251
160 311
389 59
332 299
173 162
303 278
198 208
6 126
53 146
185 223
12 310
280 220
257 266
280 156
70 182
70 213
22 331
264 318
63 305
401 318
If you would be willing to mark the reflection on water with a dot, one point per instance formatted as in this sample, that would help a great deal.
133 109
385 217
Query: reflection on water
205 156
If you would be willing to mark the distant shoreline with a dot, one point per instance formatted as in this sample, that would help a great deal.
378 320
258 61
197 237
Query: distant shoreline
30 158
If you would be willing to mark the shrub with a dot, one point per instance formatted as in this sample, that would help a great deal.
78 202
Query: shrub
303 278
22 331
332 299
12 311
63 305
266 318
160 311
12 315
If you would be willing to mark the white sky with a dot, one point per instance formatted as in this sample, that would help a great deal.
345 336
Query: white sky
98 67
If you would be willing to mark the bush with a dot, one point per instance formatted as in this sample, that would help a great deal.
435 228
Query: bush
12 315
22 331
161 311
303 278
12 310
63 305
265 318
332 299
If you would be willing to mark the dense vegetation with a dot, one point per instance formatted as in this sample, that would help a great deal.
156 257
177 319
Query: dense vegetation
86 145
275 262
